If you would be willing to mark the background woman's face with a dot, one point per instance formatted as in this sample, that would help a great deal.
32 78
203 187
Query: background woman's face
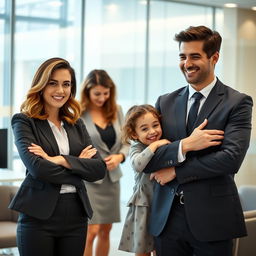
98 95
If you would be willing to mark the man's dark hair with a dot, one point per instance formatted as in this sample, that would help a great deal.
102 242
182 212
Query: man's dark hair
212 39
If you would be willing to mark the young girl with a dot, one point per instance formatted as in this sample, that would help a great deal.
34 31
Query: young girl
142 126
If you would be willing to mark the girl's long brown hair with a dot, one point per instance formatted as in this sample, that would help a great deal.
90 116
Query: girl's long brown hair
33 106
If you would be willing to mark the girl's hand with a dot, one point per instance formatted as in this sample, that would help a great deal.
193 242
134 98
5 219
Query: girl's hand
112 161
164 175
201 139
156 144
88 152
37 150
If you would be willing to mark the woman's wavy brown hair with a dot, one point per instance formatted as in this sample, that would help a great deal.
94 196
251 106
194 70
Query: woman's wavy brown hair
100 77
131 118
33 106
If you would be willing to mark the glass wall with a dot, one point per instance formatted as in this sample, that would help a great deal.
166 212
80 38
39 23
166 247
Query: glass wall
115 39
132 40
44 29
167 19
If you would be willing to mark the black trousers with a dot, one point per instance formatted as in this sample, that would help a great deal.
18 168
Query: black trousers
177 239
63 234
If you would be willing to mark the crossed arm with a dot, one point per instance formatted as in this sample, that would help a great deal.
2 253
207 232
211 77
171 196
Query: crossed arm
55 169
211 162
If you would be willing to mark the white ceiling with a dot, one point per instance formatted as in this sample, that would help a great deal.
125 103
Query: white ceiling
247 4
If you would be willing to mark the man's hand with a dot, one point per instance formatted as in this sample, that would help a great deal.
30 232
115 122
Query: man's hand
164 175
201 139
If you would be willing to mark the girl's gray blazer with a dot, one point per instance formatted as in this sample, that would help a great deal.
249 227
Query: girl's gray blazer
99 144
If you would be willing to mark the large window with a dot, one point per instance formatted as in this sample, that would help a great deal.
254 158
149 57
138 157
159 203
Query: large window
115 39
132 40
167 19
44 29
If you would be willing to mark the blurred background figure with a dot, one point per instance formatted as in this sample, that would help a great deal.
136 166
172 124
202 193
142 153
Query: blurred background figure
103 119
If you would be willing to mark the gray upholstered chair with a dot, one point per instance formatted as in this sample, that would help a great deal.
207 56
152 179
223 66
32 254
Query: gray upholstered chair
246 246
247 194
8 218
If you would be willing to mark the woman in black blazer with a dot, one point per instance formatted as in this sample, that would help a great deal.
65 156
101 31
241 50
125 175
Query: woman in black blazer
57 151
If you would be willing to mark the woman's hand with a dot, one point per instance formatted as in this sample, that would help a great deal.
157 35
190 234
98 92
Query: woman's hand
164 175
88 152
201 139
59 160
112 161
37 150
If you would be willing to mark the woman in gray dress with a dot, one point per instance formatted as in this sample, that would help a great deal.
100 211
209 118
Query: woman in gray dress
103 119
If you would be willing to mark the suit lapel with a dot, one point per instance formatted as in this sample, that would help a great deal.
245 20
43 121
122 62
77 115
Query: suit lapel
92 130
181 113
212 101
117 129
46 131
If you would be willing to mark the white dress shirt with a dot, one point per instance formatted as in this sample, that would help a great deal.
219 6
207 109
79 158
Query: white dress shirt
61 137
205 92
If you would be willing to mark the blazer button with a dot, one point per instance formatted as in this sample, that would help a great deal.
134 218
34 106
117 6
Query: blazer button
172 190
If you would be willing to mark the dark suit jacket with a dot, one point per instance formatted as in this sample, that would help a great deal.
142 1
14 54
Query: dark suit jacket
212 204
39 191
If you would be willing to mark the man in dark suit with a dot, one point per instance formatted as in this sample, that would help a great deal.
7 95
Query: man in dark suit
198 212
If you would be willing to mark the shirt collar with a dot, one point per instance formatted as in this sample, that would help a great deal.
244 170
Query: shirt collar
53 125
205 91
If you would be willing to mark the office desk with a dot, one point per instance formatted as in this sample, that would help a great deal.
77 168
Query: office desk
8 176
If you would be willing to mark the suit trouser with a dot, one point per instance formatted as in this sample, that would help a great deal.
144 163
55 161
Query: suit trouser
177 239
63 234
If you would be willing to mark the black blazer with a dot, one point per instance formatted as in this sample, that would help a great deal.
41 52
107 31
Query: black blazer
212 203
40 190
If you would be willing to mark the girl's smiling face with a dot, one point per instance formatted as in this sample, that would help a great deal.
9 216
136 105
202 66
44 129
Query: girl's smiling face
147 129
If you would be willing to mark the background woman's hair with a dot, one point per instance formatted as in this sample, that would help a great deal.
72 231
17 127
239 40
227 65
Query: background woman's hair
131 117
100 77
33 106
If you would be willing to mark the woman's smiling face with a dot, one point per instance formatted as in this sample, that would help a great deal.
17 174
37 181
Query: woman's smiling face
58 90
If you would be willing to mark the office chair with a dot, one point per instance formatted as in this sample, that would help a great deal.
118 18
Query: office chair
8 218
246 246
247 194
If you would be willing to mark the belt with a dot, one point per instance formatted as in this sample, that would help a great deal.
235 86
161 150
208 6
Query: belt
180 197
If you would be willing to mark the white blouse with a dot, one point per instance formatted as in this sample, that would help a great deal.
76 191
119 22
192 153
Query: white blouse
63 144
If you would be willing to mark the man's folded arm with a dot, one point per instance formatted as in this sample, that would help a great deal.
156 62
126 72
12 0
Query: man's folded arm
165 156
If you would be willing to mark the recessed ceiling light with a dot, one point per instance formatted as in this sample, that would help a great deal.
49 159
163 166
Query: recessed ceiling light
55 3
112 7
143 2
254 8
230 5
